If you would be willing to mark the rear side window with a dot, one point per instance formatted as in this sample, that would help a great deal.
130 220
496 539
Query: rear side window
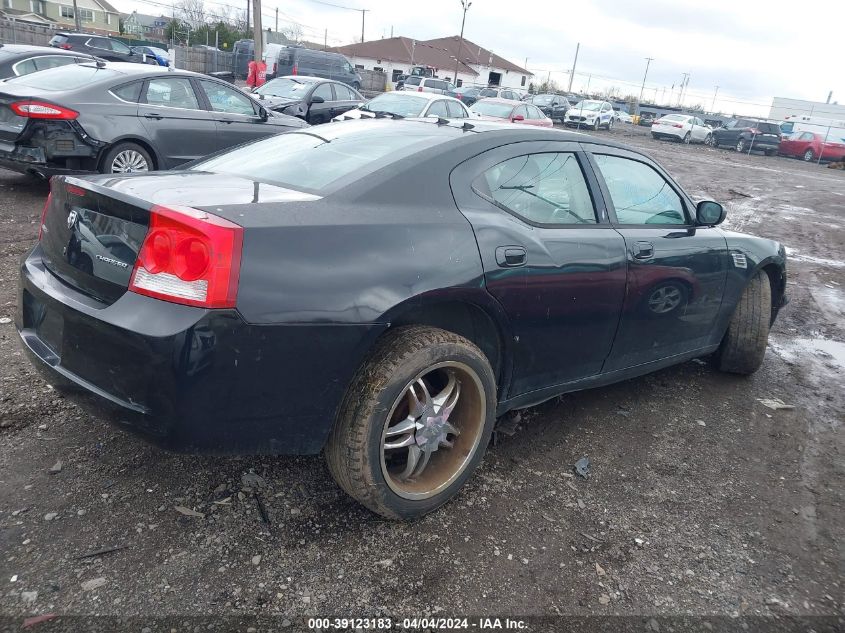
438 108
65 77
541 188
128 92
640 194
455 110
25 67
174 92
225 99
53 61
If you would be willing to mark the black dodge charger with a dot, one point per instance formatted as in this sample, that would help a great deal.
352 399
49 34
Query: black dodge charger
289 297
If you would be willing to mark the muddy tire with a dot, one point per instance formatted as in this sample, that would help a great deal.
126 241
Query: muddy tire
744 344
389 414
125 158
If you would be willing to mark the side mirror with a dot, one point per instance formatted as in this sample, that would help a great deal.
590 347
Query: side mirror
264 115
709 213
317 99
517 117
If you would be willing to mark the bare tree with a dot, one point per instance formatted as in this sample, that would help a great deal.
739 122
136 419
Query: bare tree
192 12
293 32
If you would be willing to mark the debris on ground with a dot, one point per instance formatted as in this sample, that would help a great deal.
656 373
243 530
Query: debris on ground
775 403
56 468
101 552
5 320
188 512
582 467
251 481
600 570
94 583
742 194
604 599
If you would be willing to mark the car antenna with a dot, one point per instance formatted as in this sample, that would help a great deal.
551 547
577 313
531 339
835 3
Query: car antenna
101 63
467 126
442 121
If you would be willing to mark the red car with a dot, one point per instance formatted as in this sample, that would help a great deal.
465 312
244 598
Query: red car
507 110
810 146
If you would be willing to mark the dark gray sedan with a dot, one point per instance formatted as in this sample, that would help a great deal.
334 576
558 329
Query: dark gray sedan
313 99
118 117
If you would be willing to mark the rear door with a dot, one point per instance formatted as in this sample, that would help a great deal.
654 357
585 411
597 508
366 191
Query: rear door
180 128
550 257
676 270
323 112
345 99
235 114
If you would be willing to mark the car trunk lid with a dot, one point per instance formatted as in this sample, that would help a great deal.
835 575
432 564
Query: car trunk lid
11 124
91 236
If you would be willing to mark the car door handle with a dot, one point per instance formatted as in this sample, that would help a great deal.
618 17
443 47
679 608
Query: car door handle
510 256
225 121
643 250
152 115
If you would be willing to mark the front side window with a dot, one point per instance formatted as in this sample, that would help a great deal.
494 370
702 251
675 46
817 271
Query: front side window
807 136
174 92
640 194
545 189
225 99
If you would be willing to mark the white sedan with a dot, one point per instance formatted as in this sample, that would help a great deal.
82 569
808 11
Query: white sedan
622 116
681 127
410 104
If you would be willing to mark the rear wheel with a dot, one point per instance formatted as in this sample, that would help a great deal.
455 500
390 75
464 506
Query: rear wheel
610 125
708 140
713 141
415 422
744 344
126 158
809 155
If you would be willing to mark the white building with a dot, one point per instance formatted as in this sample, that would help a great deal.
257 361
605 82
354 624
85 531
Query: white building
477 66
783 107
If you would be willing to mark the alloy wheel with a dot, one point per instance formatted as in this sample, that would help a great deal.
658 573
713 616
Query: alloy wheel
808 155
665 299
708 140
129 161
433 430
740 145
687 138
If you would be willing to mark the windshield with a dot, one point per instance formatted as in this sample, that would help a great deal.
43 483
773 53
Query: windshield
397 103
542 100
64 77
592 106
305 161
283 87
491 108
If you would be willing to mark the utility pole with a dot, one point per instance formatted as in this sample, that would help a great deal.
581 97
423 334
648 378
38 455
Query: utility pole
572 74
247 14
713 105
257 32
466 5
681 88
76 18
277 19
648 61
363 13
326 39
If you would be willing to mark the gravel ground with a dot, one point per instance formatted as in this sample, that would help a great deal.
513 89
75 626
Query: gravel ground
702 501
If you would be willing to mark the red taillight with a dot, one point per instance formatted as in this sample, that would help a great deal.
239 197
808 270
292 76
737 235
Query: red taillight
419 89
189 257
274 68
295 70
42 110
678 125
65 46
44 215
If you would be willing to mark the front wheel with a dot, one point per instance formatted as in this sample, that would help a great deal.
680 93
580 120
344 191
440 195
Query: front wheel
744 344
687 138
356 85
414 423
708 140
809 155
740 145
610 125
596 125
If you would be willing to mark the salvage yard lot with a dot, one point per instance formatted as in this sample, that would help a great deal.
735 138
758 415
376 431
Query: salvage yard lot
701 500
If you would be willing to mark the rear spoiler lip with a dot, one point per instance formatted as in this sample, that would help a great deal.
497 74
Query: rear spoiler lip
85 182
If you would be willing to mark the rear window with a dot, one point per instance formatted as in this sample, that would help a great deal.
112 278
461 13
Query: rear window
488 108
487 92
413 81
307 162
674 117
768 128
58 39
65 77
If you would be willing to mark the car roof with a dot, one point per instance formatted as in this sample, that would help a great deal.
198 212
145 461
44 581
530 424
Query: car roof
304 79
144 70
425 95
25 49
509 102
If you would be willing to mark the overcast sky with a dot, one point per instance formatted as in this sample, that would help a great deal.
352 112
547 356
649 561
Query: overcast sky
752 49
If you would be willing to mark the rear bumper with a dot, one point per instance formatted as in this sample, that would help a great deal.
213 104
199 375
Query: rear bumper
187 378
49 148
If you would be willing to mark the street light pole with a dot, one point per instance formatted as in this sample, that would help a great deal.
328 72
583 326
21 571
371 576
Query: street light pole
648 61
714 99
466 5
